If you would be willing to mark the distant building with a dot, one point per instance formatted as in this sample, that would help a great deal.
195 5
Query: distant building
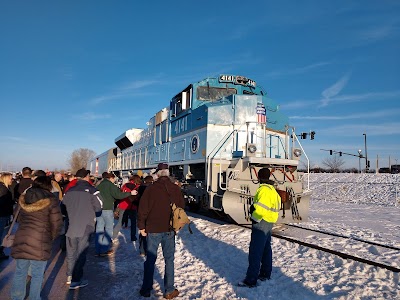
395 169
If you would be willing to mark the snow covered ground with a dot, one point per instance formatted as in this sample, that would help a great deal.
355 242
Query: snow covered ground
210 262
213 260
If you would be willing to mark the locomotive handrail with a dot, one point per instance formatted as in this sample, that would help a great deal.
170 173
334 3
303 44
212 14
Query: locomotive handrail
308 161
216 149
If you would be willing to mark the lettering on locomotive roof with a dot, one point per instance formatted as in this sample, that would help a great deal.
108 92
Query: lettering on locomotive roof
237 80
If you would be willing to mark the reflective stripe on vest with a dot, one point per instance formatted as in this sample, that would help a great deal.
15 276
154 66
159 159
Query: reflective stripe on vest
266 207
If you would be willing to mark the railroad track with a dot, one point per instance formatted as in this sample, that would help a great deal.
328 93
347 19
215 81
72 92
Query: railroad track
348 237
282 234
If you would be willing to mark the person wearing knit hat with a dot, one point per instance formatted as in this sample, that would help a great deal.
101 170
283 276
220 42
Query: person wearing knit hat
264 214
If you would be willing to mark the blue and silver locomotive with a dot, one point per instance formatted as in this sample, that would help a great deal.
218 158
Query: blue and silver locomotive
215 135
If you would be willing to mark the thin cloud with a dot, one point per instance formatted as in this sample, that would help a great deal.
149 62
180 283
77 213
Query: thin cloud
368 115
299 70
390 128
89 116
297 104
129 89
134 85
334 90
377 33
12 138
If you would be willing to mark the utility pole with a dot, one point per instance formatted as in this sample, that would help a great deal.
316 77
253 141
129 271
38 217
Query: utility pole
359 160
366 155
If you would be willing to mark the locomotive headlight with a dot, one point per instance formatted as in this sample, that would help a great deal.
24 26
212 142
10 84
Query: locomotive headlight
252 148
297 152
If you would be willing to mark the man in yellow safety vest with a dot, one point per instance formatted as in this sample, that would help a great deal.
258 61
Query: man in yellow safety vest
264 214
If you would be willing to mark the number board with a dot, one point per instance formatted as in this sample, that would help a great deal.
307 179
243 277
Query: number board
237 80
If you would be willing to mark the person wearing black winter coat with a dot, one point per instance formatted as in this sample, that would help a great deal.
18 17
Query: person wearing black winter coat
39 224
6 206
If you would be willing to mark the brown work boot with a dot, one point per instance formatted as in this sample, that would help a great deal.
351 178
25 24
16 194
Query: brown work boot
172 295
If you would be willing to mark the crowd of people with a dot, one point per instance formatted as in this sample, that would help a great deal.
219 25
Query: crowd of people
86 206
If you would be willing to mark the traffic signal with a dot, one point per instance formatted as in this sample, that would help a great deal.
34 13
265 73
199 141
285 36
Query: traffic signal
312 133
340 153
304 135
368 164
330 152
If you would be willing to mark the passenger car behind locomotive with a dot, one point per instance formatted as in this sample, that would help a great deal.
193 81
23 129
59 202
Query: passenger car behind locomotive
215 135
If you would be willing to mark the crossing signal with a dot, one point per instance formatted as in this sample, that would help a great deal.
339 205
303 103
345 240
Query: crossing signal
312 133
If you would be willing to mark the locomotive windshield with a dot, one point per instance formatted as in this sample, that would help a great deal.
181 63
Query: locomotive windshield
205 93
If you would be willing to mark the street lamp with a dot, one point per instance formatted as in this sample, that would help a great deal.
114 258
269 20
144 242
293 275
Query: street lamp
359 160
366 156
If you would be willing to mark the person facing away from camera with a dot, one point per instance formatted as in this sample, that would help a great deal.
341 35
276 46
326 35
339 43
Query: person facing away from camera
264 214
154 223
105 223
83 203
128 207
148 180
39 224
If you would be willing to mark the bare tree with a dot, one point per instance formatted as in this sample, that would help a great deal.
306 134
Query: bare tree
80 159
303 165
333 163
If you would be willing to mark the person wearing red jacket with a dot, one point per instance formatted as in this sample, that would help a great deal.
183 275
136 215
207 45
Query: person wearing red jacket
128 207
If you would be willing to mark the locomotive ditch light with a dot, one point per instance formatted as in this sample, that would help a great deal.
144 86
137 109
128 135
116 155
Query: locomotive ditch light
252 148
297 152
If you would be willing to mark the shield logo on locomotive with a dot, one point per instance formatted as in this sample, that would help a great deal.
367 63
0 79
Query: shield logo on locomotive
194 143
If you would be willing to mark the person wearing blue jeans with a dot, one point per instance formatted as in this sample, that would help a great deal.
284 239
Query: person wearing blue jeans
264 214
39 224
105 225
18 289
167 241
104 231
154 224
260 251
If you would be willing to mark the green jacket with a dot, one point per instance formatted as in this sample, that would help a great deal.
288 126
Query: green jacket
109 193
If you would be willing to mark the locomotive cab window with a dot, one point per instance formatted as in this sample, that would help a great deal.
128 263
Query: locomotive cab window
180 103
206 93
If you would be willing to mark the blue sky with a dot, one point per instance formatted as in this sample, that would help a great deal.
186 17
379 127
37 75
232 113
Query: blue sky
77 74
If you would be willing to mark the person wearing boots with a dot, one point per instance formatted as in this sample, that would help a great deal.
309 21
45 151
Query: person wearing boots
154 223
264 214
6 206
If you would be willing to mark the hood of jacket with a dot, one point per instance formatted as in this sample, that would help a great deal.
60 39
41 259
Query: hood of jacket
35 199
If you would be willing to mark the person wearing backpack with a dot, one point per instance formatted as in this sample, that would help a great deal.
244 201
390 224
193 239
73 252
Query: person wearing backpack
154 223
